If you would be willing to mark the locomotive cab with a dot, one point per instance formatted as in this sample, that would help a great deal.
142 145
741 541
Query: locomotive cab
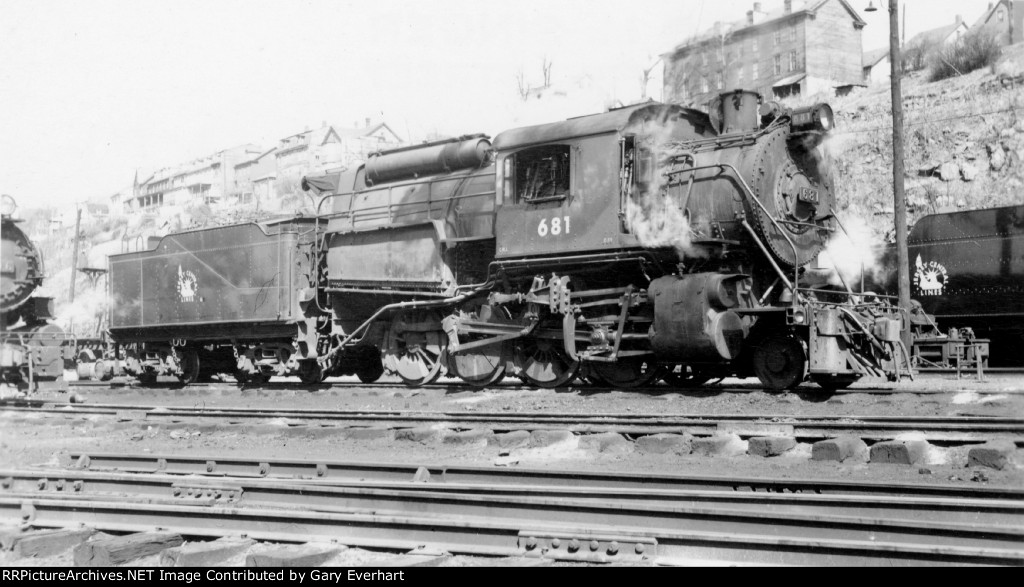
563 186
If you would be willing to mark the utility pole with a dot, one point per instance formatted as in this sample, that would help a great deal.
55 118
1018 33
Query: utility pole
899 197
74 257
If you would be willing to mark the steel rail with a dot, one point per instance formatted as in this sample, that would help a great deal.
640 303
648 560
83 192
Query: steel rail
437 474
968 519
489 536
460 386
991 423
950 430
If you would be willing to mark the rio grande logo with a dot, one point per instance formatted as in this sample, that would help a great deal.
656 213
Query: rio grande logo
187 285
930 278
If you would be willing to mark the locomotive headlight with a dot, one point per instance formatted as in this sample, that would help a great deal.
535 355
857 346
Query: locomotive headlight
7 205
817 118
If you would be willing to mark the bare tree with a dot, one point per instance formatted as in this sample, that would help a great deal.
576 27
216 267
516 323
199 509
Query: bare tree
645 78
521 85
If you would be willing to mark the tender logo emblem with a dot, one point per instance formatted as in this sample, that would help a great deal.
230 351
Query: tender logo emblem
930 278
187 285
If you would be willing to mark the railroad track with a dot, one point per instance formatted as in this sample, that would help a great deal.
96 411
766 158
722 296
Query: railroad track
454 385
565 515
939 429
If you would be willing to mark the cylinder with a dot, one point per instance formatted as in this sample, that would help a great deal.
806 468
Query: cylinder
431 159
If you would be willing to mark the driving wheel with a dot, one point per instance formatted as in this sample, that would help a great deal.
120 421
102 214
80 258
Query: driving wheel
779 361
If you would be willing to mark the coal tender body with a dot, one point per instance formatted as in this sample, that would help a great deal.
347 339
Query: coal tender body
967 270
650 241
238 299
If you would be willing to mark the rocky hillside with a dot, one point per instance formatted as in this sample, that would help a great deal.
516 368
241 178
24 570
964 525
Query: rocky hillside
964 144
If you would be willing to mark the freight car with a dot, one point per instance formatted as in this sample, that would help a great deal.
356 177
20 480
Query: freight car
624 246
967 269
32 348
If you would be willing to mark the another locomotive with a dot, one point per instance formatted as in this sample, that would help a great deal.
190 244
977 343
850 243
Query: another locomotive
32 348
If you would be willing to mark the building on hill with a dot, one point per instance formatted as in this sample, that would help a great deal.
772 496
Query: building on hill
877 67
328 148
798 49
1004 19
254 178
248 175
207 180
917 50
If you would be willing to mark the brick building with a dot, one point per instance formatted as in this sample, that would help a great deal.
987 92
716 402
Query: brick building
797 49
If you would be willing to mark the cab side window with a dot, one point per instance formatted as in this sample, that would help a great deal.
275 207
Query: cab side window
542 173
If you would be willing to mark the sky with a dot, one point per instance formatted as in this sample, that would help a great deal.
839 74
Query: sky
92 90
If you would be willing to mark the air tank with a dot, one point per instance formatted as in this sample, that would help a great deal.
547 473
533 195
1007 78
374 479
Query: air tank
430 159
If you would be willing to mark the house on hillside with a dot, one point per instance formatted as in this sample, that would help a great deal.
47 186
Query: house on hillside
254 177
917 50
329 148
207 180
359 143
877 67
1004 19
799 48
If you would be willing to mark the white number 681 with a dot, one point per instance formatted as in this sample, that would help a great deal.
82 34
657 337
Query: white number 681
557 226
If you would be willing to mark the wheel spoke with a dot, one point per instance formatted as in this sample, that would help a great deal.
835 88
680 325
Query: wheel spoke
545 367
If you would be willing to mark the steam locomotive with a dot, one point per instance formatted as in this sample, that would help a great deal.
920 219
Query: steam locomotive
32 348
651 241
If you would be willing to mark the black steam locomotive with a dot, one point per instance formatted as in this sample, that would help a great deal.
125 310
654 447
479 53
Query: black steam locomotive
32 348
649 241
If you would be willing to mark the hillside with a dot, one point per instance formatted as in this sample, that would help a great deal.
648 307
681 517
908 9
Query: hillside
964 144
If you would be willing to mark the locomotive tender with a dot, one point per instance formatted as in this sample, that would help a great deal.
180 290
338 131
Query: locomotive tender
649 241
967 270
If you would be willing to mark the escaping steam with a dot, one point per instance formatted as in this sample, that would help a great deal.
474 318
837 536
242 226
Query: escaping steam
657 221
855 254
655 211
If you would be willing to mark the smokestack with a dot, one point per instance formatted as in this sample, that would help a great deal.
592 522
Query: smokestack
789 6
757 7
367 122
959 19
750 17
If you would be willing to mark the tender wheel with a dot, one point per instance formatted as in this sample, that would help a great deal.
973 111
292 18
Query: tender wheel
779 361
626 374
685 377
146 378
310 373
416 356
482 366
189 367
831 383
543 363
